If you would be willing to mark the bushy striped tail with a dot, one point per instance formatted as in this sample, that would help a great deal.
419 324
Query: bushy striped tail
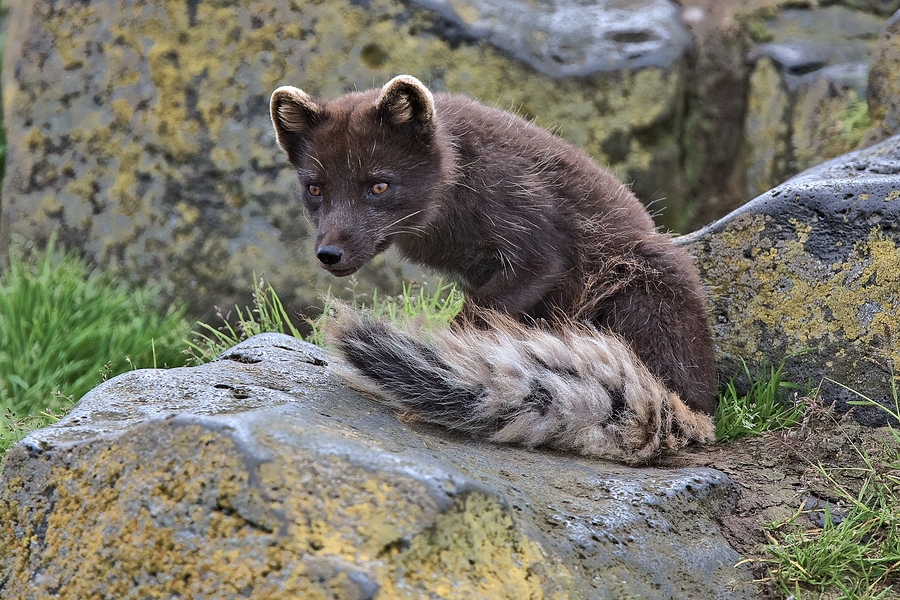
573 388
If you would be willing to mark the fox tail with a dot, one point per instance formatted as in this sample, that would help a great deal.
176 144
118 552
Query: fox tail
571 388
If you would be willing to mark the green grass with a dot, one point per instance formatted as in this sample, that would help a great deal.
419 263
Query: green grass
848 125
855 556
267 315
65 327
2 124
769 404
435 306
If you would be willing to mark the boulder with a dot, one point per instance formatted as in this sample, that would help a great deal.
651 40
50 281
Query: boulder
884 82
811 270
260 475
140 130
807 90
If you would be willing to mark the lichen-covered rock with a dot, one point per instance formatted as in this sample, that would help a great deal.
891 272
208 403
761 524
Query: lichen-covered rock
813 266
807 91
282 483
140 130
714 120
883 93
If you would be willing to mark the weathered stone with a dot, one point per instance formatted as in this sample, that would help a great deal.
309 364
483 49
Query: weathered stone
714 122
567 37
879 7
813 265
807 85
282 483
767 129
883 93
140 130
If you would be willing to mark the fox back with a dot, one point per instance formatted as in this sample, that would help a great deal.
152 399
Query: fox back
523 222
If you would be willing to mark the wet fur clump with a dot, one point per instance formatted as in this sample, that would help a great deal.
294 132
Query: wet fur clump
583 329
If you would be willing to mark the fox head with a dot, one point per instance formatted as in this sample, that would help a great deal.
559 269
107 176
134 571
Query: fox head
369 165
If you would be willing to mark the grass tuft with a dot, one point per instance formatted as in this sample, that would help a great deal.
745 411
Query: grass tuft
267 315
855 555
435 306
770 404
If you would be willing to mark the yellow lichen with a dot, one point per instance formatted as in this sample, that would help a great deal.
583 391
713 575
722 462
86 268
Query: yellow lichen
174 112
178 511
474 551
768 107
798 299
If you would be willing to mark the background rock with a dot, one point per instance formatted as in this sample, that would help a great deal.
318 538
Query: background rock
565 38
813 265
141 131
884 82
807 81
283 483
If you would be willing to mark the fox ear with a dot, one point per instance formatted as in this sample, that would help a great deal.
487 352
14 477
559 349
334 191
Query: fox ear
405 99
293 112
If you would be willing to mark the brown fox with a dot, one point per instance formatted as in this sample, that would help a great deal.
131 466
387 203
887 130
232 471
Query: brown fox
584 329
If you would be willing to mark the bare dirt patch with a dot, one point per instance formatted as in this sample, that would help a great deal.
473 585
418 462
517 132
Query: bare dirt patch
779 474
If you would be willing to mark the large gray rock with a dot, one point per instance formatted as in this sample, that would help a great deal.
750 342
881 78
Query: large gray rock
260 475
883 91
813 266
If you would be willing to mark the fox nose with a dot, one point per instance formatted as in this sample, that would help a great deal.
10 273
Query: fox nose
329 255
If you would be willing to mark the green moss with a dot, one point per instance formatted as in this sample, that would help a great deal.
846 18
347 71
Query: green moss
827 124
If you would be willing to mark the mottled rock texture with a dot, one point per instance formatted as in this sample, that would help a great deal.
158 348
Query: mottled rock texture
807 84
140 129
565 38
282 483
813 265
883 93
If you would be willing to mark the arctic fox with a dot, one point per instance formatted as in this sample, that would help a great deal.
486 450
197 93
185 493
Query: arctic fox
584 329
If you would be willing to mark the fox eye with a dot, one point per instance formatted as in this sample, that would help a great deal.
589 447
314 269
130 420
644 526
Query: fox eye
314 190
379 188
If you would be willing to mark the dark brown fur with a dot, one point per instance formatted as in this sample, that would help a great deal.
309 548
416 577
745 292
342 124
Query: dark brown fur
526 224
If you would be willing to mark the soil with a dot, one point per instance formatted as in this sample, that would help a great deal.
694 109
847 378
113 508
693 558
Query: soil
781 473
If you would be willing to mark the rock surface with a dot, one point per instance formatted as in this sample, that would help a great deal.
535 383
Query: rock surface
564 38
140 131
259 475
813 265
